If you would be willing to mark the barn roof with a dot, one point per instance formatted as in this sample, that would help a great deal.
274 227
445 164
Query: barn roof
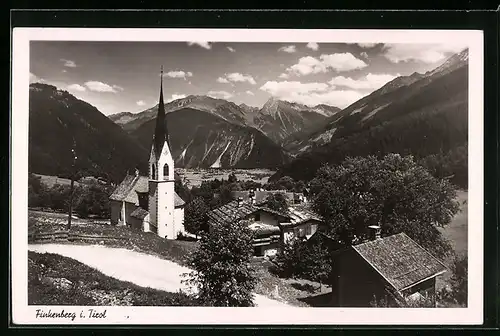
400 260
232 211
131 186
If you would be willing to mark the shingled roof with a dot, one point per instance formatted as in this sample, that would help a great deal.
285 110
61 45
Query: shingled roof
233 211
132 185
400 260
139 213
301 213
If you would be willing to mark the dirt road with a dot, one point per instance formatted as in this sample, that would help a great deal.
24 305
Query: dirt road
139 268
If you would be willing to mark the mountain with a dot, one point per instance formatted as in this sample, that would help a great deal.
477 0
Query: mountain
56 118
381 105
421 114
122 117
200 139
279 119
228 111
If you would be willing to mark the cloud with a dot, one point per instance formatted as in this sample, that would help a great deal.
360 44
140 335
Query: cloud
250 93
312 45
220 94
102 87
368 82
311 94
236 77
340 62
68 63
178 74
284 76
202 44
176 96
288 49
364 54
140 103
230 49
76 87
426 53
367 45
64 70
35 79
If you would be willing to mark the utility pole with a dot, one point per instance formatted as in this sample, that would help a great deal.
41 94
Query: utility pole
70 210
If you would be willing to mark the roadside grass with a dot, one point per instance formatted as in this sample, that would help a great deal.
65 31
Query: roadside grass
57 280
145 242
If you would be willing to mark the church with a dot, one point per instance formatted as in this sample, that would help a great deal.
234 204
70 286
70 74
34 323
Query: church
150 203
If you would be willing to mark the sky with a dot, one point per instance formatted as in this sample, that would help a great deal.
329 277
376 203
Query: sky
125 76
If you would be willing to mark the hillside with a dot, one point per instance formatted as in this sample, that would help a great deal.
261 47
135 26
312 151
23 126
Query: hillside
57 117
423 115
200 139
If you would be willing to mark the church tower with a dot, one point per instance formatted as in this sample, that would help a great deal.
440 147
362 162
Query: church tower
161 177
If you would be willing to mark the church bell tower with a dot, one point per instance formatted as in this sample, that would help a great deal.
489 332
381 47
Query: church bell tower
161 177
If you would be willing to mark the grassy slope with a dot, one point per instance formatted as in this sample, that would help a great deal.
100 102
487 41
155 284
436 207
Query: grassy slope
88 286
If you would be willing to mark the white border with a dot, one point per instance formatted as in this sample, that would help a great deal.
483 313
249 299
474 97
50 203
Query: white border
24 314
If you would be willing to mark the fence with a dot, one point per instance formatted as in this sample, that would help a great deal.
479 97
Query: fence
58 236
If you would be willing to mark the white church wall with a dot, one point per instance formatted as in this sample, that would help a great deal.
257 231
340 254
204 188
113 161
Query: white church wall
179 221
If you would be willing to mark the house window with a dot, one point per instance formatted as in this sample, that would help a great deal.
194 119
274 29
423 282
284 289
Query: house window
257 216
165 172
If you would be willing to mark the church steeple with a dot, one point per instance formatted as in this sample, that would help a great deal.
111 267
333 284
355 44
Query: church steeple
161 132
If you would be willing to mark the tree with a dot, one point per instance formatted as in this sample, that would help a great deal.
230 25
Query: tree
232 178
393 192
196 216
457 292
221 267
277 202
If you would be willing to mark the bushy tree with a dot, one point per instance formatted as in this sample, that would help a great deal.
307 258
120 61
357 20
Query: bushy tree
196 216
277 202
93 199
456 293
221 267
393 192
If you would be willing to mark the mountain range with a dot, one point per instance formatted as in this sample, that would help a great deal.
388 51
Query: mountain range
420 114
277 119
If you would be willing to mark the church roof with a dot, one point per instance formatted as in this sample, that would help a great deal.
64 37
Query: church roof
161 131
139 213
132 185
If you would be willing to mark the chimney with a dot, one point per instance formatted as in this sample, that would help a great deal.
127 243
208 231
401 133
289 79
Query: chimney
240 201
251 195
374 232
136 172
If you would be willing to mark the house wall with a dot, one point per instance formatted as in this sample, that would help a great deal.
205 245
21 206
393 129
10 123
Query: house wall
264 217
116 208
355 283
290 232
129 208
178 222
425 288
145 224
266 250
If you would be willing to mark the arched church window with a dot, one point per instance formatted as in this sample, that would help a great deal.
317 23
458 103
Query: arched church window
153 172
165 172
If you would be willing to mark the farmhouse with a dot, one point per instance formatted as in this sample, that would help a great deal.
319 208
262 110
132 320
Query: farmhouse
394 269
270 227
151 203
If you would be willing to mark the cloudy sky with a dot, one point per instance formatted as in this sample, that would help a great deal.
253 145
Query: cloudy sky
124 76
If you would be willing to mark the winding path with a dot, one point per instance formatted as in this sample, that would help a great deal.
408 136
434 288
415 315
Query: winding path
139 268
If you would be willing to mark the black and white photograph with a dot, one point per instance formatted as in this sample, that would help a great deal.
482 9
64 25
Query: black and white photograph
291 171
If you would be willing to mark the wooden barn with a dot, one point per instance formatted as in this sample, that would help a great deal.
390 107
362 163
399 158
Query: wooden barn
391 271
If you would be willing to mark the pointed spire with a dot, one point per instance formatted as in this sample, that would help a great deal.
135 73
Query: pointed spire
161 132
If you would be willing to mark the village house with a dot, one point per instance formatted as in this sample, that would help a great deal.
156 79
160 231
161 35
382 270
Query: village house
150 203
394 269
271 228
